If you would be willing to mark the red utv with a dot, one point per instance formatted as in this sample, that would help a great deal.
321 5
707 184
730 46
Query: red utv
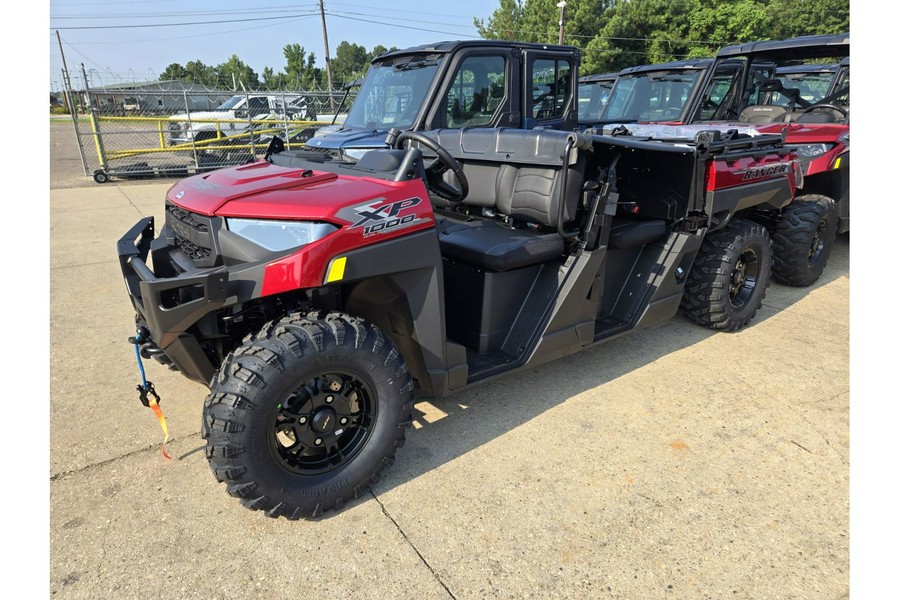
317 298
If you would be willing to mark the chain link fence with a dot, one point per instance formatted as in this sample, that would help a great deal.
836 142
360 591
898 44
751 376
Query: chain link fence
171 129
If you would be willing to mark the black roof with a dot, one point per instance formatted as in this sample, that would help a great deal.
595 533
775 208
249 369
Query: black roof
809 68
449 46
598 77
694 63
806 47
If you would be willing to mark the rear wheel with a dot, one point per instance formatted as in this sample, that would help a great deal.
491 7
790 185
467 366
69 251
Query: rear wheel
305 415
803 239
728 280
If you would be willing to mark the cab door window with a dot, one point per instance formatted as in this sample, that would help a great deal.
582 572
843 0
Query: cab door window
476 92
550 89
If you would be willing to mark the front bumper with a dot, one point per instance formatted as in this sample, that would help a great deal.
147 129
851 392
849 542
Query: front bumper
169 306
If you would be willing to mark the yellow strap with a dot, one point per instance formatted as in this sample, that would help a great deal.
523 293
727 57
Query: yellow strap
162 423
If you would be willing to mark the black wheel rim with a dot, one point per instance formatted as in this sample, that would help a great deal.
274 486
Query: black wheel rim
323 423
744 278
817 244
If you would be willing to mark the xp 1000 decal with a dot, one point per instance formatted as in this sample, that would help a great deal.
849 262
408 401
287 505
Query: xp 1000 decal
379 216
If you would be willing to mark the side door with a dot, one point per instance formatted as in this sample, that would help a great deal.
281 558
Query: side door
842 82
478 92
550 89
721 93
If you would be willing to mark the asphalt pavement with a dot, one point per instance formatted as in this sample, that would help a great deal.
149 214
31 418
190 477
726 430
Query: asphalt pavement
675 462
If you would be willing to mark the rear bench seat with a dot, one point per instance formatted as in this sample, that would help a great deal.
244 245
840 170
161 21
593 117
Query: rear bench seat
515 173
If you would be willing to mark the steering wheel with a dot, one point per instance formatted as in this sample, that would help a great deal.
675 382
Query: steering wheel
434 172
829 106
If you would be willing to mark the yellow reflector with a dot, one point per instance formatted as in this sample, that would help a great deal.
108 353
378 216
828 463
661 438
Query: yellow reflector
837 162
336 269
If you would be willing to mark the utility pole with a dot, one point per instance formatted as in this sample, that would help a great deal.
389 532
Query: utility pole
70 105
66 81
562 18
327 55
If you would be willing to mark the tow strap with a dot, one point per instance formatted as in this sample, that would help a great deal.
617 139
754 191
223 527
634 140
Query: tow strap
148 395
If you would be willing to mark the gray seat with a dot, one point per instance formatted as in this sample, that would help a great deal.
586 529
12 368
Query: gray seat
515 174
821 116
762 113
495 247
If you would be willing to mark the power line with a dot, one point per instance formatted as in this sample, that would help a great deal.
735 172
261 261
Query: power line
196 35
117 2
145 25
340 13
418 12
77 51
196 13
339 16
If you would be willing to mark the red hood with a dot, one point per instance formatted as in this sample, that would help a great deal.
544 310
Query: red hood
278 192
803 133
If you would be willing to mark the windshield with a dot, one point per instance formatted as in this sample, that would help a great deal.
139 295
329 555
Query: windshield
592 97
230 103
393 92
812 86
650 96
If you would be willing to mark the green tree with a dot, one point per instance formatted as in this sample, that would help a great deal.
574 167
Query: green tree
301 71
640 32
272 80
504 23
236 71
174 72
349 62
809 17
197 72
614 34
538 21
378 51
726 22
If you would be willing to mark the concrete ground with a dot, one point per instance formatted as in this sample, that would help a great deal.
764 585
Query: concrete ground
675 462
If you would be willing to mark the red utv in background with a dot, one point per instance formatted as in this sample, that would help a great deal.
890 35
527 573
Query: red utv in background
798 87
817 126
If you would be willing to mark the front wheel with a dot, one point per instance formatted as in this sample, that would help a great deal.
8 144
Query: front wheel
803 239
728 280
305 415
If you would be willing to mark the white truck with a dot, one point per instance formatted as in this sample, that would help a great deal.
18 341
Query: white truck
238 115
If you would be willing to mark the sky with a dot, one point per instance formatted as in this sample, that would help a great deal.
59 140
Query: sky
135 40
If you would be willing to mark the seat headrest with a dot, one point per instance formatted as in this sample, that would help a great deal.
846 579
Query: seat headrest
762 113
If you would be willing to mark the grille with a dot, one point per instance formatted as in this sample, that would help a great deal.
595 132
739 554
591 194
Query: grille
192 235
193 251
188 218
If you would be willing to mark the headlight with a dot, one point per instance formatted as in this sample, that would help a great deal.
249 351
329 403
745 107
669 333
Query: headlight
812 150
279 235
358 153
326 129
